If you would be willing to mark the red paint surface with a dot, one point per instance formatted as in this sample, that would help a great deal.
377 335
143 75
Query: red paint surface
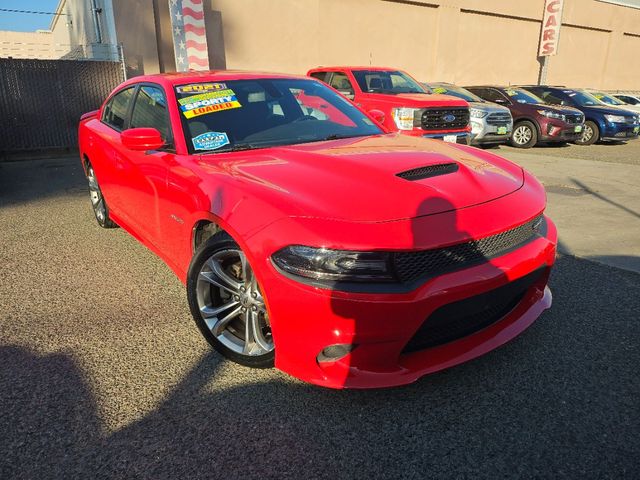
340 194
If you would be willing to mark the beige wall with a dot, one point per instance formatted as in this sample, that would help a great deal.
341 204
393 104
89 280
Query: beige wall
462 41
29 45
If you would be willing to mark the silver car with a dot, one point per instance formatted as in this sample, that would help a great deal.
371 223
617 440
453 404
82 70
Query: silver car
491 124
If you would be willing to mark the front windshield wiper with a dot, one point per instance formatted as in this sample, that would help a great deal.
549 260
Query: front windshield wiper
236 147
335 136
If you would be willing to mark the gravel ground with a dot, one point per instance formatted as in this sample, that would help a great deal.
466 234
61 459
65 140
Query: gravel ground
103 374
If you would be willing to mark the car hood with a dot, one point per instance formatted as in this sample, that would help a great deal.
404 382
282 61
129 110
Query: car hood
608 109
417 100
556 108
489 107
357 179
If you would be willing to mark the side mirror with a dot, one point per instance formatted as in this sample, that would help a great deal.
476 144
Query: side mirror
501 101
378 115
142 139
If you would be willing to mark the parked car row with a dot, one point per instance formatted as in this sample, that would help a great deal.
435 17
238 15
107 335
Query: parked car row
486 114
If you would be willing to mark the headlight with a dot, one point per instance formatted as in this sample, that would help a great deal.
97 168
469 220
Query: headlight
334 265
477 113
551 114
615 118
404 117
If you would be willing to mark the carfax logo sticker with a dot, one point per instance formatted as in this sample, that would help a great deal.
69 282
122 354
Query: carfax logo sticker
210 141
200 87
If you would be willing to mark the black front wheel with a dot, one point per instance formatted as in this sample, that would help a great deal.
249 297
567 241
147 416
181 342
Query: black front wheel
227 304
99 204
590 134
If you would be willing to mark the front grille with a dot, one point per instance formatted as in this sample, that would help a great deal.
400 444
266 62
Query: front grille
465 317
428 171
411 266
499 119
442 118
574 118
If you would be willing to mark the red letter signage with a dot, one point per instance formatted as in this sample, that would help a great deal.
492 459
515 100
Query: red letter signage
550 31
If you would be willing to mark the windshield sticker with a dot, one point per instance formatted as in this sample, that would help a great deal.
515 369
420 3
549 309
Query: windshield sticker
210 105
200 87
511 93
439 90
210 141
206 96
599 96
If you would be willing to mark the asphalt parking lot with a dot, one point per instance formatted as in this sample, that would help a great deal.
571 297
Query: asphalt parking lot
104 375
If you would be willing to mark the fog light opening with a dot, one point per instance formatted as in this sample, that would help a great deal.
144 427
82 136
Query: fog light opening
333 353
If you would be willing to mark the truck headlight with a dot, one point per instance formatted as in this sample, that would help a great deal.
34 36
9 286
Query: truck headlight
404 117
334 265
477 113
551 114
615 118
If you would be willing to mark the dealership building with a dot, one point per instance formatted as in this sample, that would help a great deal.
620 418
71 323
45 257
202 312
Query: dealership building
459 41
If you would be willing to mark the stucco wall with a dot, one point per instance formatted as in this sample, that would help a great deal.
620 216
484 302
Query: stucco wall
462 41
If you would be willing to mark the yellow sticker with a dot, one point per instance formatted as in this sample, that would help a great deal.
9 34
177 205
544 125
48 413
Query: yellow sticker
205 96
200 87
439 90
196 112
512 93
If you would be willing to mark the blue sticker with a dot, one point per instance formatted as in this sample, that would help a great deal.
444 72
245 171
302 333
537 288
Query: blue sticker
210 141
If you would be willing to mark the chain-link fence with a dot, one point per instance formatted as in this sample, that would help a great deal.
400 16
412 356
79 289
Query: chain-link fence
42 100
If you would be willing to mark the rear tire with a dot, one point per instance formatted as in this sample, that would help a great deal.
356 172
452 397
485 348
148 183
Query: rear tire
227 303
98 203
524 135
590 134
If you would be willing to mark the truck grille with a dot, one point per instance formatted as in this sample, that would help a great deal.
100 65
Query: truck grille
499 119
574 118
465 317
411 266
442 118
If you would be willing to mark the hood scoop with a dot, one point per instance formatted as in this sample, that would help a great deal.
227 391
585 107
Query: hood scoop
428 171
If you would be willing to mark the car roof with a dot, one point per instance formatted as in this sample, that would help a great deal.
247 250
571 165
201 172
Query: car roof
352 67
181 78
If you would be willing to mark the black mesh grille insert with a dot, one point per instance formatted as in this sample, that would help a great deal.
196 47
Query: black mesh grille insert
460 319
443 118
411 266
429 171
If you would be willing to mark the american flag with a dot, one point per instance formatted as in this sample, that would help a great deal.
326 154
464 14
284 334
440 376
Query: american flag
189 36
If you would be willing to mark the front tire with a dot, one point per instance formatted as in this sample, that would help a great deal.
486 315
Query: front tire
98 203
590 134
524 135
227 303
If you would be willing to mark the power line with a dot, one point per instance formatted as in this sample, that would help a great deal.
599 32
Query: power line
8 10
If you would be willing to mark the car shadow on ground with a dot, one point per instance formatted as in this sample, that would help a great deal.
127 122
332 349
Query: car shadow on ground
558 401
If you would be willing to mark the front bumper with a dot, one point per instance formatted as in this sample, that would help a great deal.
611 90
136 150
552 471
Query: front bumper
483 133
619 132
453 137
558 131
306 320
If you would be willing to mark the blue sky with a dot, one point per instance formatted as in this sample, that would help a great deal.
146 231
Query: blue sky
23 22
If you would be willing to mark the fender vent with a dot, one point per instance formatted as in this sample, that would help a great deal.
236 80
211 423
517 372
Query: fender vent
429 171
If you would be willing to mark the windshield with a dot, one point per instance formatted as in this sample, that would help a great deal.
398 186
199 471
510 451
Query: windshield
456 92
603 97
391 82
248 114
519 95
583 99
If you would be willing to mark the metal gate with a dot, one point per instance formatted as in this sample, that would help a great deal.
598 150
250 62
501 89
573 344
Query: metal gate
41 100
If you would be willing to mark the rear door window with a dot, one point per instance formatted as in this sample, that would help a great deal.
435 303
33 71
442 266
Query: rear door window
150 110
340 82
115 111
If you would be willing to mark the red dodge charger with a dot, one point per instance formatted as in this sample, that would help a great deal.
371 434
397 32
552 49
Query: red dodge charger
309 237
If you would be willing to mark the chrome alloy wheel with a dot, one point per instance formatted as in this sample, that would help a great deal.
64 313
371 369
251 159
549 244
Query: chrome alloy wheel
587 133
522 135
97 200
231 304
